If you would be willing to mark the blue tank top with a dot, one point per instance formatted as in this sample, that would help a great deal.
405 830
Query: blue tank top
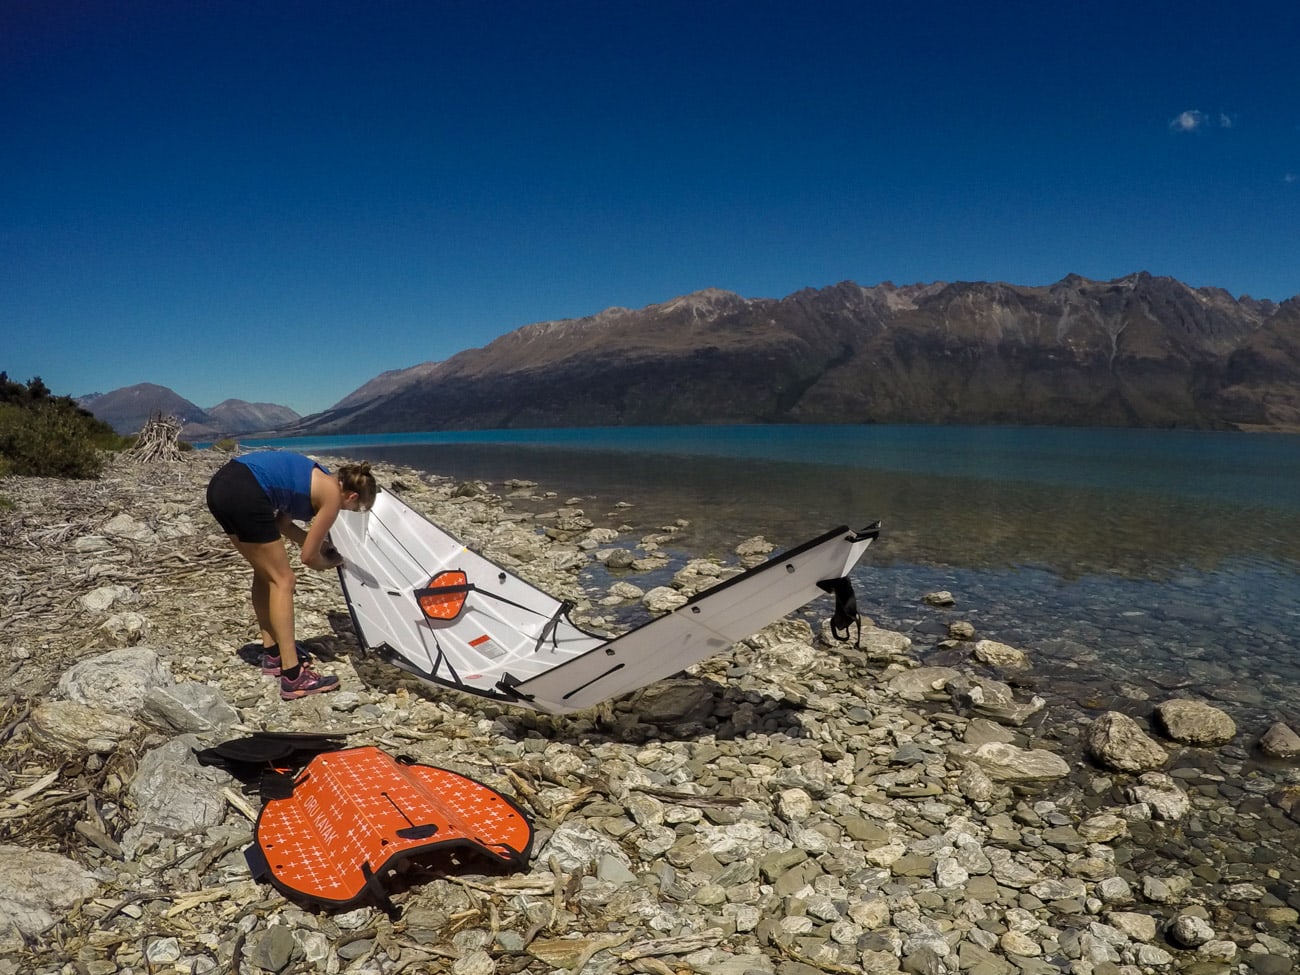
286 479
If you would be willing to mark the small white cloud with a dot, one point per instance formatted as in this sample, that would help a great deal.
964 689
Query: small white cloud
1194 120
1290 178
1188 121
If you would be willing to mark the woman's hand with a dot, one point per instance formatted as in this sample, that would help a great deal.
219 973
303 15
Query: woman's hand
330 553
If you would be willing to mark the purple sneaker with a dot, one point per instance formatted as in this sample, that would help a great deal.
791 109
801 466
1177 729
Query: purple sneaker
307 682
271 662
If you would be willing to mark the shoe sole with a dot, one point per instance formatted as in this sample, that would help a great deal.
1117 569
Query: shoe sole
295 695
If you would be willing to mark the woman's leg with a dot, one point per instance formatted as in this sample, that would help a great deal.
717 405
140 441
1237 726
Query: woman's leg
273 587
262 609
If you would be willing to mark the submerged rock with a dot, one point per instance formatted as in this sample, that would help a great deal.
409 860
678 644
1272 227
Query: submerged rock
1195 723
1280 741
1117 741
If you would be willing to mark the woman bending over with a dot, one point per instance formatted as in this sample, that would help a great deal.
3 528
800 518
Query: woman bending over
257 498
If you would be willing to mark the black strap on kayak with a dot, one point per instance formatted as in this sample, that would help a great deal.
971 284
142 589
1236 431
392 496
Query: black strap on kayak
445 590
846 608
549 629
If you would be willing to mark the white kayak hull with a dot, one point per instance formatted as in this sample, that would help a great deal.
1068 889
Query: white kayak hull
510 641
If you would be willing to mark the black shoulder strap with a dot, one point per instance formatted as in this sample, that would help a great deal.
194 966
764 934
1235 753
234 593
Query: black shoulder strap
846 608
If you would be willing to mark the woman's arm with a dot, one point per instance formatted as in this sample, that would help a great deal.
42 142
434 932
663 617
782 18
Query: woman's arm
316 552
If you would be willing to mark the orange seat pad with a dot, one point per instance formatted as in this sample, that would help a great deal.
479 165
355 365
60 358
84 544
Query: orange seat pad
355 811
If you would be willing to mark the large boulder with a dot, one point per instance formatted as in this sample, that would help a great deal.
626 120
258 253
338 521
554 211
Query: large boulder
923 683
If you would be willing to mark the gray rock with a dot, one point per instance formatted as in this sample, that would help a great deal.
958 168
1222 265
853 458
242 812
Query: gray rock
116 681
923 683
73 728
124 629
992 699
124 526
1280 741
1190 931
190 707
976 784
1000 655
981 730
272 949
1103 828
1195 722
663 599
674 701
618 558
1261 963
174 794
104 598
1161 795
880 644
577 847
1115 890
1116 741
1139 927
756 547
1008 763
36 889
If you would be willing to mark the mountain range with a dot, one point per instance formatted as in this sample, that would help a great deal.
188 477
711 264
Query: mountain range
1135 351
127 409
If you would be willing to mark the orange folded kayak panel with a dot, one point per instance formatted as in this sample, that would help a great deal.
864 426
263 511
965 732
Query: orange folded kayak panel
356 813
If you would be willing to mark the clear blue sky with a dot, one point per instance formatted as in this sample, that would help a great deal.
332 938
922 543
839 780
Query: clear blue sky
276 201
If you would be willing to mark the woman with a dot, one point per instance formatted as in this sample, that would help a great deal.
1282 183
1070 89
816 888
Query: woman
257 498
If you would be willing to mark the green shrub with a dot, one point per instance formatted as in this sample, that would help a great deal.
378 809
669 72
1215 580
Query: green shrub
46 440
226 445
42 435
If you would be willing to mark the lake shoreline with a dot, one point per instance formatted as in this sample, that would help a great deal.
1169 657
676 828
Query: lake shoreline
791 803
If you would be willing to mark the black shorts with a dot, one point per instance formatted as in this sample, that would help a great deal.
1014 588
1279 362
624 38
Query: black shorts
240 505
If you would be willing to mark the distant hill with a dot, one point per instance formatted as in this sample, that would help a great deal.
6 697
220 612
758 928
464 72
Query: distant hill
127 409
1136 351
235 417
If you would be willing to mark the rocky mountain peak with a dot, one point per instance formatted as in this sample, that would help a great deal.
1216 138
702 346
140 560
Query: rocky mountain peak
706 305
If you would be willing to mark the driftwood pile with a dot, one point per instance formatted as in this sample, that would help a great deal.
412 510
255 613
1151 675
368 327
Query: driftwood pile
158 440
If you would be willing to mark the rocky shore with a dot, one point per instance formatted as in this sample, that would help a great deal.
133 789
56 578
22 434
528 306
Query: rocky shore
793 806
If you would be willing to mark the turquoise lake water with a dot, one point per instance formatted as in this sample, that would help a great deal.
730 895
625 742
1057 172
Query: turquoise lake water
1126 562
